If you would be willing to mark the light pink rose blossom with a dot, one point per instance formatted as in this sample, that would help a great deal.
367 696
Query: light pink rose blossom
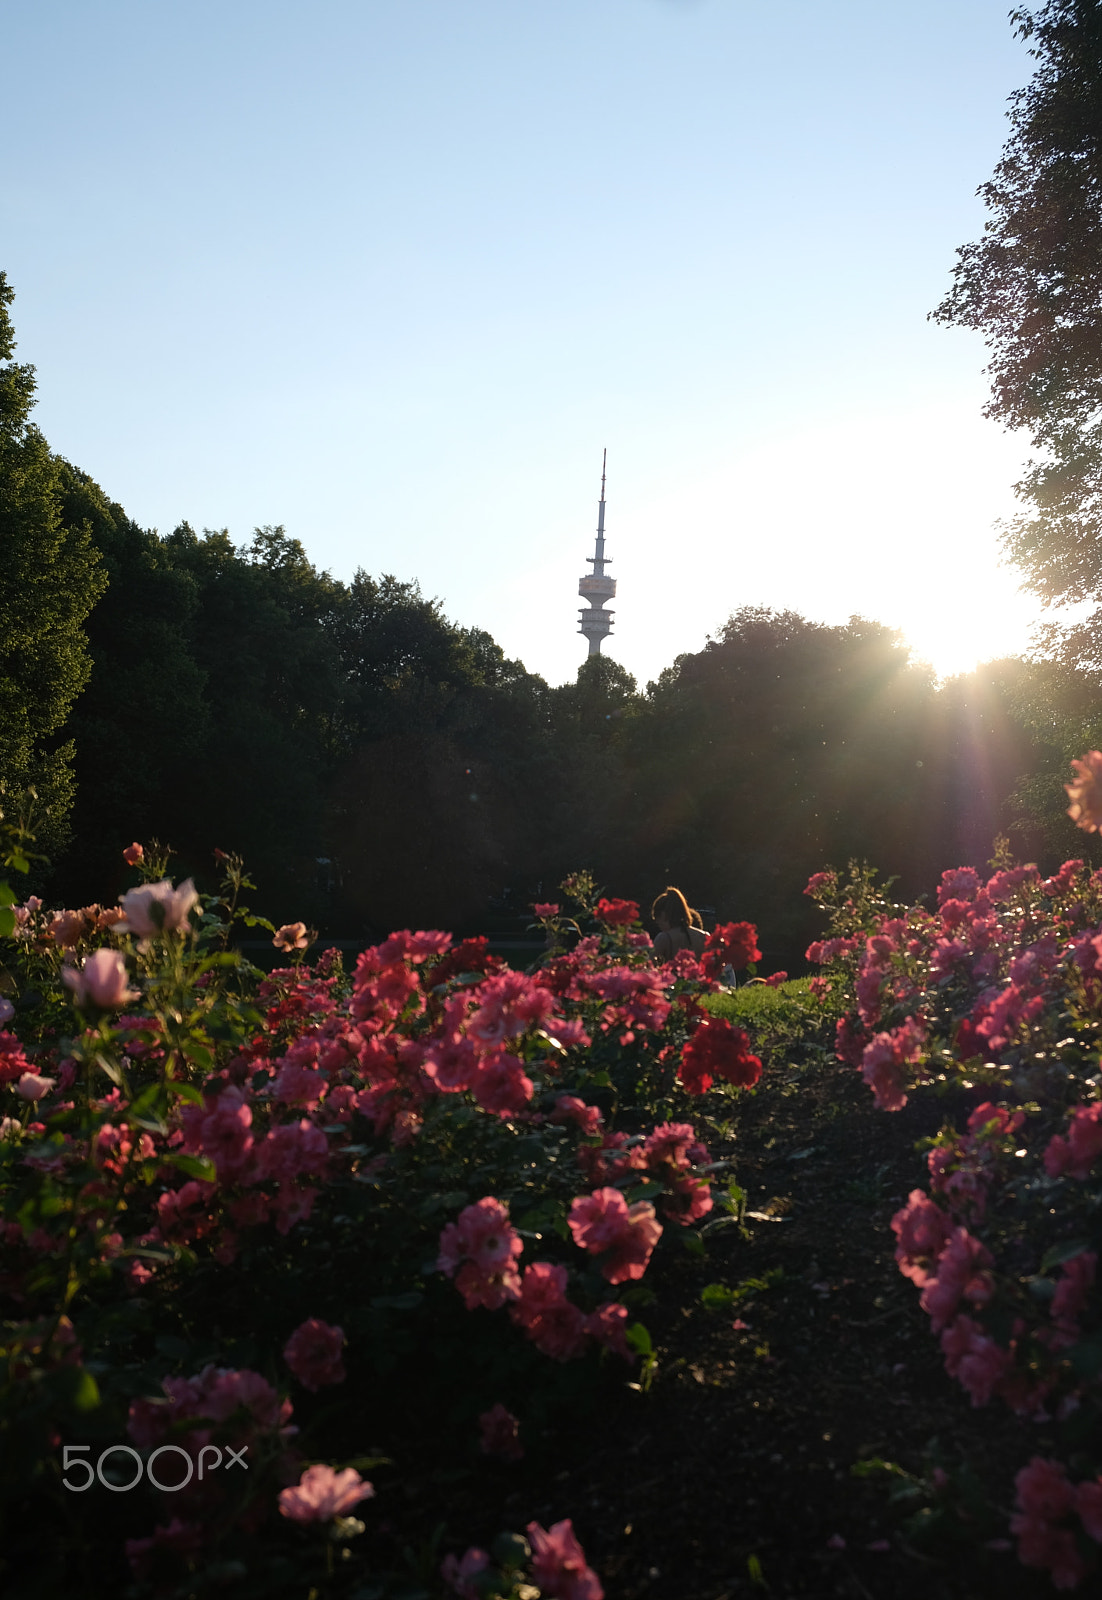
140 913
32 1087
322 1493
102 980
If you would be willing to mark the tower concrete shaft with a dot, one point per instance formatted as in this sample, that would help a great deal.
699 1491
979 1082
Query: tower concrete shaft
595 588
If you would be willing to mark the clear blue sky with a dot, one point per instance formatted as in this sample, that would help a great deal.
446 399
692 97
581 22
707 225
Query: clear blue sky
393 272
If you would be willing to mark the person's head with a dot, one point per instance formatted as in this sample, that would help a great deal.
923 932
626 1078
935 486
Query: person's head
671 910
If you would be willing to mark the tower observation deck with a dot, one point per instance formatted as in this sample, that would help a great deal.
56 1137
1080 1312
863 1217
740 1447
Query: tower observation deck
595 588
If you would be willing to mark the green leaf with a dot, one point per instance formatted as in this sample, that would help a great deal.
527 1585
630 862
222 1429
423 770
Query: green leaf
694 1244
1062 1252
637 1295
549 1213
113 1071
644 1191
7 920
717 1296
511 1550
409 1301
150 1124
219 958
753 1567
75 1387
639 1339
874 1464
201 1167
184 1091
86 1395
717 1223
145 1102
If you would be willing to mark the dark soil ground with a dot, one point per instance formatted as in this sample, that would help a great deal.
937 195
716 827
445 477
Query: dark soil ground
732 1476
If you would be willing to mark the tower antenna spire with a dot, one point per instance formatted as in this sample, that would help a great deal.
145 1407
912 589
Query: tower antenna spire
597 588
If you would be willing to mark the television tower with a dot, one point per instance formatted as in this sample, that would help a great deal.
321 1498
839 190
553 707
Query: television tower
595 588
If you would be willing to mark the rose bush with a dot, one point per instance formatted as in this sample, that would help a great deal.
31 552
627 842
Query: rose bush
994 996
230 1195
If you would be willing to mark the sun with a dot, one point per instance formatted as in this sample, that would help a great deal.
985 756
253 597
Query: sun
949 653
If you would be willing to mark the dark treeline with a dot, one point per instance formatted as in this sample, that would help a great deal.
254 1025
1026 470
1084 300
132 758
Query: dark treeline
379 766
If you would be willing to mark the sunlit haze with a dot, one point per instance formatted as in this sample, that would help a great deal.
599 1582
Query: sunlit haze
393 273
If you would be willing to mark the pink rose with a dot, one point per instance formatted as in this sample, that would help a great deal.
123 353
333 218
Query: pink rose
1044 1496
479 1251
461 1575
604 1224
313 1353
559 1564
101 981
156 907
1070 1298
322 1493
32 1087
500 1434
962 1273
554 1324
568 1108
978 1362
923 1230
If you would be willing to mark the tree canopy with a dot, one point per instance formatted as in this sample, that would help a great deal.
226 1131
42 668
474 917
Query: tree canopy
1032 285
50 578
